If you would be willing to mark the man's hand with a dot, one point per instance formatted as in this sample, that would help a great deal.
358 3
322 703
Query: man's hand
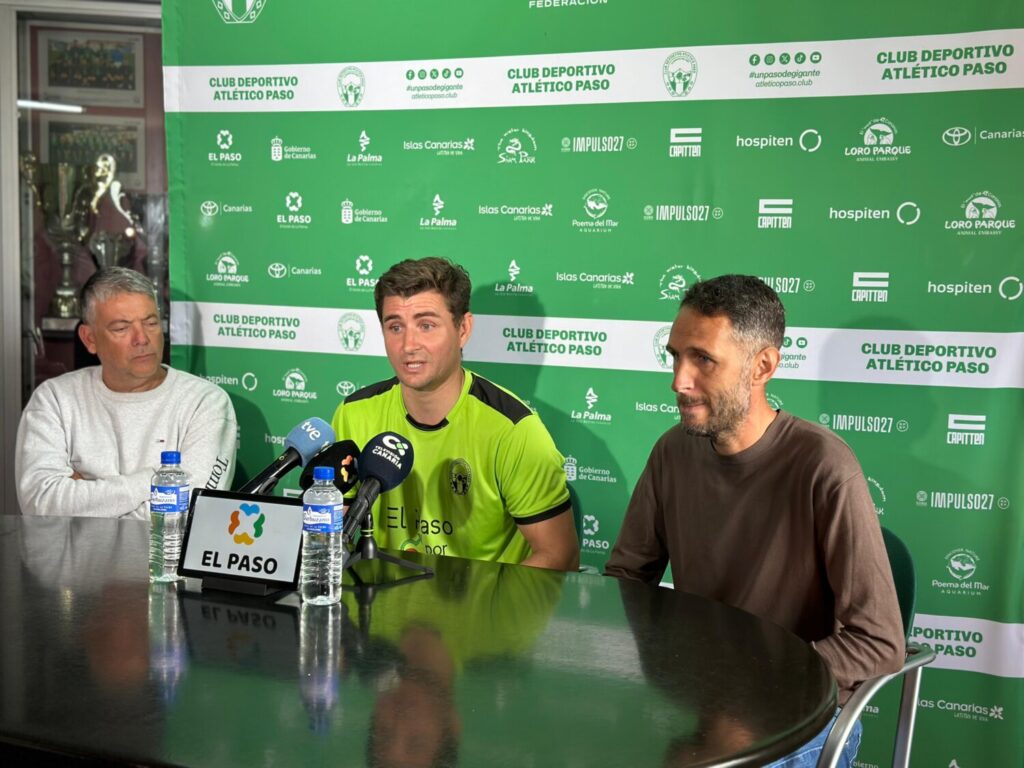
553 542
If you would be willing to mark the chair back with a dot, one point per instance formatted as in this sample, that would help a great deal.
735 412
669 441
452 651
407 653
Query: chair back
903 576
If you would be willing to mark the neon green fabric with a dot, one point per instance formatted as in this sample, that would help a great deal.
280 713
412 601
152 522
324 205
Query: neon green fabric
489 467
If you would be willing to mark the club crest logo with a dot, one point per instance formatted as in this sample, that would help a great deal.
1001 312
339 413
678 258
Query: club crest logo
351 331
680 73
460 477
351 86
239 11
660 344
245 530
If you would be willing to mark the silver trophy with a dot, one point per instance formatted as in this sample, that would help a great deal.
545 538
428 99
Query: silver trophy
62 192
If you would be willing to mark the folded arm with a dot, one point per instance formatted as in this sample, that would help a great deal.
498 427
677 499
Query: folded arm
47 484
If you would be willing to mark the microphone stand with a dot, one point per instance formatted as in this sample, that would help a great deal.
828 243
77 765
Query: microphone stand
366 549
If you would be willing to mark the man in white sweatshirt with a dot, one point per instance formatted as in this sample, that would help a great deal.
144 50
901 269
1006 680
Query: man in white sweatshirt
90 440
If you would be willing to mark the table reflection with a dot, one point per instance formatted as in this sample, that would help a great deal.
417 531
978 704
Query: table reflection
732 718
425 632
481 664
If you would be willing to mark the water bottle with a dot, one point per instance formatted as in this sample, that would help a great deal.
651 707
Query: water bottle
168 508
319 654
322 517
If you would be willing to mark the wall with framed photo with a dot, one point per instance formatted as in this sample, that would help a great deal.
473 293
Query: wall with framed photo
94 90
80 139
91 67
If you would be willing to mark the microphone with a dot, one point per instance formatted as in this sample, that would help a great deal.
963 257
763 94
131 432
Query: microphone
343 457
304 442
384 463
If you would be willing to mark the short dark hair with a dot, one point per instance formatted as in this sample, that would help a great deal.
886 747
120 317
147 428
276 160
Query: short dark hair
412 276
754 309
110 281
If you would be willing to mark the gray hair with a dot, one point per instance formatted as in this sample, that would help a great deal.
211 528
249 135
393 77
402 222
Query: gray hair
108 282
754 309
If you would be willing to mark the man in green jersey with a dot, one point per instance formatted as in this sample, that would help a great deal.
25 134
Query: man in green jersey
487 482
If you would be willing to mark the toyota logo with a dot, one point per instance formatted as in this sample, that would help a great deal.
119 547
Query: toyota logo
277 270
956 136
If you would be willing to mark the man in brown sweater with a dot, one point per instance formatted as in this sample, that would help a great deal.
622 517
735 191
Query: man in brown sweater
757 508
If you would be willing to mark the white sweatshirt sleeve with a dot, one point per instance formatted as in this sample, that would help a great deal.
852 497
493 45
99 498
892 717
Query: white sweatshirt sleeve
208 444
42 470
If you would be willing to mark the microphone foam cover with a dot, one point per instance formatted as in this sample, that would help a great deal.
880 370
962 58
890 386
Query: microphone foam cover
387 457
309 438
343 456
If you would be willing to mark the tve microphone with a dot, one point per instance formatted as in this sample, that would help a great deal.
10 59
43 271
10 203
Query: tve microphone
304 442
343 457
384 463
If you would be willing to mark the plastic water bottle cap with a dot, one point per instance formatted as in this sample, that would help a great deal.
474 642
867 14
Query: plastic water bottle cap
323 473
170 457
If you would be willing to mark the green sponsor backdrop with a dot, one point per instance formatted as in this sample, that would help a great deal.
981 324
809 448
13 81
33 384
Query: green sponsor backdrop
874 209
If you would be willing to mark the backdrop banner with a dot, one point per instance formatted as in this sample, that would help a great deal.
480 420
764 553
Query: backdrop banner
586 161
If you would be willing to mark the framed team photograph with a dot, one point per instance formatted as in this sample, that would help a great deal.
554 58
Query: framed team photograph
80 139
91 68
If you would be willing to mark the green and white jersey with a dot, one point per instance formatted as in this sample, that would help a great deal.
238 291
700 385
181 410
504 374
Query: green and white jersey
487 468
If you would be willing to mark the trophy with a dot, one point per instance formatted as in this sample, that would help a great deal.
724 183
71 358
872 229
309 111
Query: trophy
111 248
61 192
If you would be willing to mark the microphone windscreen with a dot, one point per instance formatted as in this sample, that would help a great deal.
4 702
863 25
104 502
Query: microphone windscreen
343 457
309 438
388 458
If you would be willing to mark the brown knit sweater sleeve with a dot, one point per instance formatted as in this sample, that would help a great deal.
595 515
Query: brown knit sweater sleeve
868 638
